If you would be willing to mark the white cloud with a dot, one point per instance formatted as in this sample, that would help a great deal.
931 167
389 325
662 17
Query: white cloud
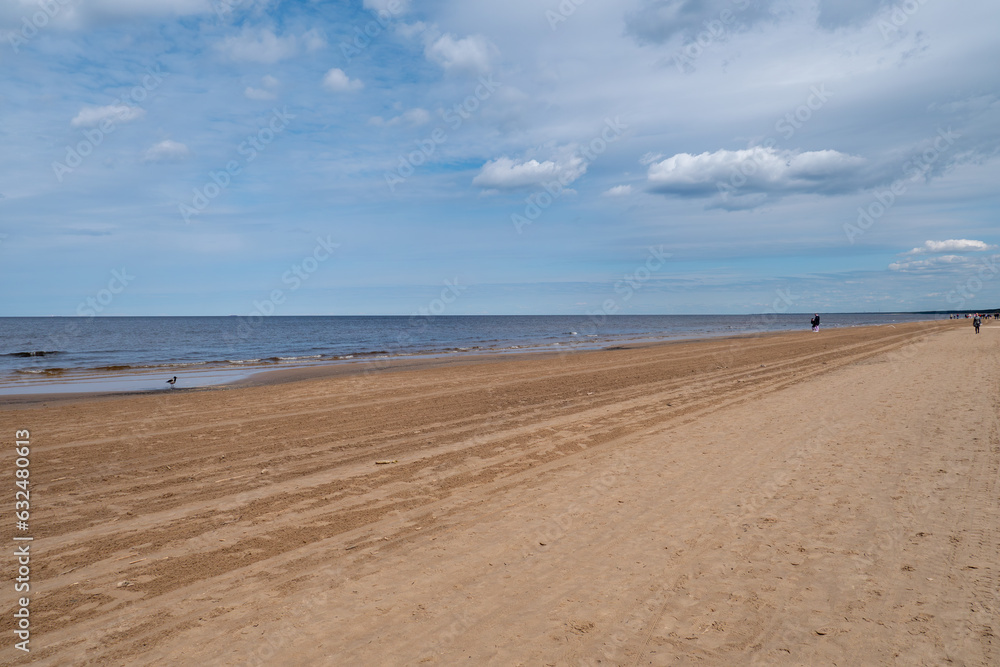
469 54
619 191
166 151
951 245
258 46
337 81
269 81
756 170
503 173
117 113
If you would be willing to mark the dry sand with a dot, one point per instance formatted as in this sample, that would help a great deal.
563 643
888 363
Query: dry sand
796 499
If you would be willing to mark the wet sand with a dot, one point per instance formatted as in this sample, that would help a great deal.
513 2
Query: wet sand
798 498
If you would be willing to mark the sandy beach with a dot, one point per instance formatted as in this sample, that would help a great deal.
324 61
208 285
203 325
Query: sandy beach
787 499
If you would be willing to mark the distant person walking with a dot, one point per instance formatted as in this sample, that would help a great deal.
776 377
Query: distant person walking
976 321
815 322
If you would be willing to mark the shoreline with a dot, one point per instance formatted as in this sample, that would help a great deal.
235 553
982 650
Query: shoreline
262 376
61 371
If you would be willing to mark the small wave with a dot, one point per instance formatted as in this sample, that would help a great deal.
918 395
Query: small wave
41 371
372 353
174 364
126 367
34 353
272 360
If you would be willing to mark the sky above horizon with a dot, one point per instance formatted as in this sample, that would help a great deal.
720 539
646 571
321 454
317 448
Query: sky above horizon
371 157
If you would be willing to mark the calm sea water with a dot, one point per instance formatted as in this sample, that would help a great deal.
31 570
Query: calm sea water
35 350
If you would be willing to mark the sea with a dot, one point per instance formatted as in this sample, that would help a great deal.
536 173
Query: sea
86 354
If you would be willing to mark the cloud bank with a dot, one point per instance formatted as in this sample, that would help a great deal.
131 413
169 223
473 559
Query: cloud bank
951 245
757 170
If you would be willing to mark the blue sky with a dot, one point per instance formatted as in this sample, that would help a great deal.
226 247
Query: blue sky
573 157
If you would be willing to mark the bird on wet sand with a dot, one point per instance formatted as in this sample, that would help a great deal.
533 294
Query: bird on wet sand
172 381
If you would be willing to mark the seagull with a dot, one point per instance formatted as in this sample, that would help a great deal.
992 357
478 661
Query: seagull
172 381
